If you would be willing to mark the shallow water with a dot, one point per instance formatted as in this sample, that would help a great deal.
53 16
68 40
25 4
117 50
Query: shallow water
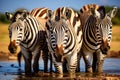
9 70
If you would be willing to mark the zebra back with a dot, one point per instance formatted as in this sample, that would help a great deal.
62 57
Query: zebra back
40 14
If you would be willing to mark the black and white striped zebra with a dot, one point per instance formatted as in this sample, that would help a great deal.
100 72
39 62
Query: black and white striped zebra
97 30
27 31
42 15
64 37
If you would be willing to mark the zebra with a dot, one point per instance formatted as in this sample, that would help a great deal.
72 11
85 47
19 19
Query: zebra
97 30
64 37
40 14
26 31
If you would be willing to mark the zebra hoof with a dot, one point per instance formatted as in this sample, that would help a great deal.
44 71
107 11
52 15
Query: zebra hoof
99 71
89 70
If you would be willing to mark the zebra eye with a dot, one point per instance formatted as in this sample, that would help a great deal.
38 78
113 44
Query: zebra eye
66 31
51 29
20 29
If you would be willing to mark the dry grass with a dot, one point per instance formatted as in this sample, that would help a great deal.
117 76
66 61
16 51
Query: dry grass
4 38
115 44
116 33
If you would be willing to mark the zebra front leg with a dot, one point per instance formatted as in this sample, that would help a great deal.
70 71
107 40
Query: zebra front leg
94 64
36 61
72 63
45 59
78 62
65 65
100 61
50 57
88 67
27 57
58 65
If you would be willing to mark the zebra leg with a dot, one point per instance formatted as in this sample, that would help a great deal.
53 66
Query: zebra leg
45 59
36 62
100 61
94 64
58 65
27 57
50 57
88 67
72 63
78 62
65 65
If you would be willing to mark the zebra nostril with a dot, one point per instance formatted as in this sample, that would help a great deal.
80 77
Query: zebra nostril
105 49
11 50
108 47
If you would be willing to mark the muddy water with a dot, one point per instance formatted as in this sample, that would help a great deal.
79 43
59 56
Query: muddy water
9 70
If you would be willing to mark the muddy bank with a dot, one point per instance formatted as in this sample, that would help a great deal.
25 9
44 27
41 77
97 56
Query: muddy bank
113 54
53 76
7 55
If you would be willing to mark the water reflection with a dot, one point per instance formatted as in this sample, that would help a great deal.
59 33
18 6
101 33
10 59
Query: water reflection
10 70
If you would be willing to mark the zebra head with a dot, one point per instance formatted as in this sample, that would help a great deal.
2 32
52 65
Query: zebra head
16 29
104 23
57 28
91 9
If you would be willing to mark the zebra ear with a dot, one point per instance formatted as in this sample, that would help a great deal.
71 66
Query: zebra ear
101 10
9 16
49 14
67 13
25 14
113 12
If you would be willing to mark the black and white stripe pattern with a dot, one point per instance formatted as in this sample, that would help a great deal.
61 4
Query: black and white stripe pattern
27 32
41 15
64 35
97 30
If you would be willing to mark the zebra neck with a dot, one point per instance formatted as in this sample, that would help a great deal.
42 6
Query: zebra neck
30 35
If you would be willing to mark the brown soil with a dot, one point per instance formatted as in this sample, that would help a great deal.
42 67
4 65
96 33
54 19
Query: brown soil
7 55
113 54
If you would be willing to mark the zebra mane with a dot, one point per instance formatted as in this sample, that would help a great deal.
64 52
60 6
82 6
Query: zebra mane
21 13
88 7
93 9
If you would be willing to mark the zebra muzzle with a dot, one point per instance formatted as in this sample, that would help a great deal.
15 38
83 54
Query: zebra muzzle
12 47
105 46
59 53
59 49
